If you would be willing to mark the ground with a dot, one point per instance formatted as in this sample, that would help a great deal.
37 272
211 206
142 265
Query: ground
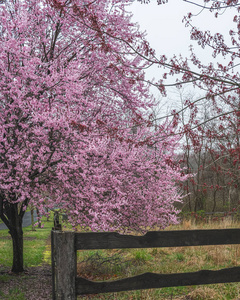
34 284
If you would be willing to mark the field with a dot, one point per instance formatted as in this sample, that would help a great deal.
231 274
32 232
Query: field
35 283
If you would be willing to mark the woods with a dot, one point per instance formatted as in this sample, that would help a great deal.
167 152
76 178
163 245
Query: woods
208 118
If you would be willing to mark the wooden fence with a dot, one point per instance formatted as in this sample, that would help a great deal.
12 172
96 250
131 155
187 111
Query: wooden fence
66 284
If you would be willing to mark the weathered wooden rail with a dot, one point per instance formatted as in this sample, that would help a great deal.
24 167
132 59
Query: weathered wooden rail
66 284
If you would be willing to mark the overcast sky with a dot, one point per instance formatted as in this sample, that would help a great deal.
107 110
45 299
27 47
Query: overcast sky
163 24
168 35
164 27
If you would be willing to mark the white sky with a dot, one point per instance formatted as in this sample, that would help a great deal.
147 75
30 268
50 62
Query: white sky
168 35
165 30
163 24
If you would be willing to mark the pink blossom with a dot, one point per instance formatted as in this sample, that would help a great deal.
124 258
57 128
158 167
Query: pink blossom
75 130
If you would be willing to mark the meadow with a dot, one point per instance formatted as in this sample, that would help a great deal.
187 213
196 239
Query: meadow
120 263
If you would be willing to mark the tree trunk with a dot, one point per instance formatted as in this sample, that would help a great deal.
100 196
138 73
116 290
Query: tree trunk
17 240
12 215
39 218
32 219
16 232
214 201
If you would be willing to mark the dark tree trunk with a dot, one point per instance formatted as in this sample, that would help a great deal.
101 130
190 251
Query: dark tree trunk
199 203
15 230
39 218
32 219
12 215
214 201
17 240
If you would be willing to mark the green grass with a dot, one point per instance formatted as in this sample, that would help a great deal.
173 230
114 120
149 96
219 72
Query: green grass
121 263
101 265
14 294
34 245
142 255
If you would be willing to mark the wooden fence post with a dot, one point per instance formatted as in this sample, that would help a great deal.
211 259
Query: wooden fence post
63 265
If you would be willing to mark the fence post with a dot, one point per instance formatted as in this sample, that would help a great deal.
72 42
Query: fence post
63 265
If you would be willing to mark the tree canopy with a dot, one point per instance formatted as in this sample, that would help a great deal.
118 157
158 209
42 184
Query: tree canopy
75 128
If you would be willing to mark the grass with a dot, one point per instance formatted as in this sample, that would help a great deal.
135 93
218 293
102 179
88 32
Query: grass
34 245
169 260
115 264
14 294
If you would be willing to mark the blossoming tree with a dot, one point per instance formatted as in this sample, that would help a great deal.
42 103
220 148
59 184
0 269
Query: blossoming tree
75 130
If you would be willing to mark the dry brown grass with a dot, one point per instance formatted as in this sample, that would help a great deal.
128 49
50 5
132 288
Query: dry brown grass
177 260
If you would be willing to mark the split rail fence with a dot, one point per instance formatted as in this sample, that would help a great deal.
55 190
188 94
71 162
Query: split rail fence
66 284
